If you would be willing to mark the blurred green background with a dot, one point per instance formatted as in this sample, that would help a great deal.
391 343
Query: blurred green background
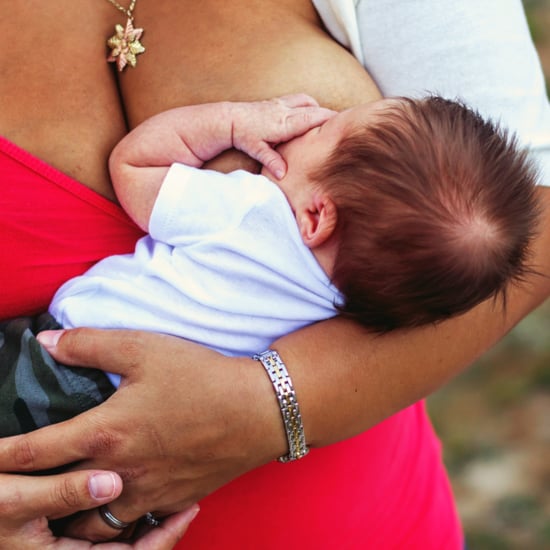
494 420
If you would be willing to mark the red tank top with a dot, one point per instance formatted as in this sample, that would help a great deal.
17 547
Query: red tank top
384 489
52 228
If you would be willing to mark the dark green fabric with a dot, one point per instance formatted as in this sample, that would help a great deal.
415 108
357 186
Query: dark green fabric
35 390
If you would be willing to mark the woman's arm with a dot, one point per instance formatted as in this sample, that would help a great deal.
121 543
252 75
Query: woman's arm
379 375
195 134
234 423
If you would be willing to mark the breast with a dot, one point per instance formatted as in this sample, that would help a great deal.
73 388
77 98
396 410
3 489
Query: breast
241 50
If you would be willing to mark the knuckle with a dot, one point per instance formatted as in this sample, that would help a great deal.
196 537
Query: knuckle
132 348
292 121
70 340
24 456
66 494
103 442
132 474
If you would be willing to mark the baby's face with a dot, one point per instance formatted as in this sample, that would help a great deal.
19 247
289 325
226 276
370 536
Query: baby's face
309 151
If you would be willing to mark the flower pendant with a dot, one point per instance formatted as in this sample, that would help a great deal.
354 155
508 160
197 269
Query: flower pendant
125 45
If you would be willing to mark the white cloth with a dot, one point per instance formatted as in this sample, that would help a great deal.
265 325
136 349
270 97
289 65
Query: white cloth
456 50
224 265
340 19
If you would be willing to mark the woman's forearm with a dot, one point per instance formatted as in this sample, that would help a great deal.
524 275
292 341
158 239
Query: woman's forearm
345 389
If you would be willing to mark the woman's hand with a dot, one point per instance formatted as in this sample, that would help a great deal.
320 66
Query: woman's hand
27 503
174 431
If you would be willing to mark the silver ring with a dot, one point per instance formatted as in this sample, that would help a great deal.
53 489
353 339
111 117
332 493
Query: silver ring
151 520
112 521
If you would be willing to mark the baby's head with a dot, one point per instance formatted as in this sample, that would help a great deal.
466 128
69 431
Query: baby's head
433 211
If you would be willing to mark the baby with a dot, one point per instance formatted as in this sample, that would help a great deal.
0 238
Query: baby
395 213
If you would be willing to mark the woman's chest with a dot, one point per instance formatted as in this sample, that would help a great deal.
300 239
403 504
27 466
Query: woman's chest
244 50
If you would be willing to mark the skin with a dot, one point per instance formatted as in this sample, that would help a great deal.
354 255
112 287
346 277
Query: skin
30 504
195 134
289 136
65 108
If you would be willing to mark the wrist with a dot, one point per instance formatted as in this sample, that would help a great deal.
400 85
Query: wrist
260 414
287 401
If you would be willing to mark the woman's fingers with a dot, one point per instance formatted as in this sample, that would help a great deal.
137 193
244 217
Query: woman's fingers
91 527
86 347
174 527
27 502
165 465
169 532
24 498
41 449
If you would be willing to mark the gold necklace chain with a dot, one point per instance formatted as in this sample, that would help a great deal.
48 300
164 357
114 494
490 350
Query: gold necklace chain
126 11
125 44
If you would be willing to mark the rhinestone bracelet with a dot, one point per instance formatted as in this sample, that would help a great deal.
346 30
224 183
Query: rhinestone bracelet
286 396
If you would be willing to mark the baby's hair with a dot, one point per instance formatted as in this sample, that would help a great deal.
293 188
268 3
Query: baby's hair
436 212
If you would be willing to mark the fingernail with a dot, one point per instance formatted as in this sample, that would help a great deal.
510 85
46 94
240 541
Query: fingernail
191 513
49 338
102 486
279 173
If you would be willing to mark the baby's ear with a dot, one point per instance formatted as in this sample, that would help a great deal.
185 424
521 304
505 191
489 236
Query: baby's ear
317 222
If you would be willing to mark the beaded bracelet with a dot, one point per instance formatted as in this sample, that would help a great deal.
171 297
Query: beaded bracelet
286 396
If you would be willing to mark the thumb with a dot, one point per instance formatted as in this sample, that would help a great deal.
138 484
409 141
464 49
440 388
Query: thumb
57 496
